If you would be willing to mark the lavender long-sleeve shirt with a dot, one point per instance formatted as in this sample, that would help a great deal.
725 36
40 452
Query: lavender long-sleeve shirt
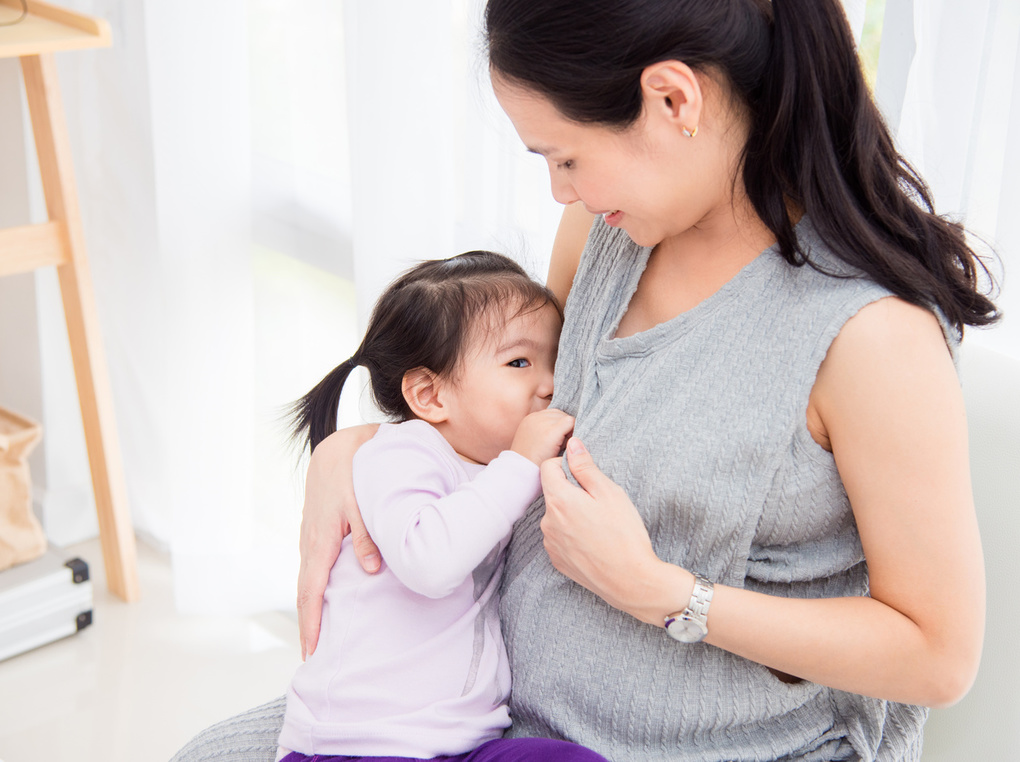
410 661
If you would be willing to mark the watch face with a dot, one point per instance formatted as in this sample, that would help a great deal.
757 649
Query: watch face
685 629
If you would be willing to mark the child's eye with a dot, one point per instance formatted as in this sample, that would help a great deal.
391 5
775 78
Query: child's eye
520 362
568 164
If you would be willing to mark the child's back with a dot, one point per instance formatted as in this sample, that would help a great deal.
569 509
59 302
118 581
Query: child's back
410 660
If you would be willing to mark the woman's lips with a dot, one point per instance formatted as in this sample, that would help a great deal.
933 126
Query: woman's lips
613 218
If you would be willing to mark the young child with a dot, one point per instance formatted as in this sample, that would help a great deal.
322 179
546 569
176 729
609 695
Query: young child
410 661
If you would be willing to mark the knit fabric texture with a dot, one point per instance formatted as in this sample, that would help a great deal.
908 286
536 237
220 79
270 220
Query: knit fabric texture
248 737
702 421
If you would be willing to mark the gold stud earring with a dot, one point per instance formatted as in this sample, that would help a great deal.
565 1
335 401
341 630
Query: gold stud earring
688 134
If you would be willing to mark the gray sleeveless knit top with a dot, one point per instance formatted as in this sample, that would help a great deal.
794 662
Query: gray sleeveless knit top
702 420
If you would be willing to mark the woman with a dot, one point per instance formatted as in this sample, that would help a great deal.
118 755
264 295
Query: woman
770 460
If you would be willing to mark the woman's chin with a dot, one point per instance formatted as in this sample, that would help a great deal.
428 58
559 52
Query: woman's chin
642 238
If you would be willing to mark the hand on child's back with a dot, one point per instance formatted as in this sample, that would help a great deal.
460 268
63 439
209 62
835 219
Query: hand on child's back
542 435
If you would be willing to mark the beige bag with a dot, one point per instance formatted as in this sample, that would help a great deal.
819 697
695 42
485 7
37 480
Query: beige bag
21 536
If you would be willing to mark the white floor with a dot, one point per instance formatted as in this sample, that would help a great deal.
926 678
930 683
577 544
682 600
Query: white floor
142 680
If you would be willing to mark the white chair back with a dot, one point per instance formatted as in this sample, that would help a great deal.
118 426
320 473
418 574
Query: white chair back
985 724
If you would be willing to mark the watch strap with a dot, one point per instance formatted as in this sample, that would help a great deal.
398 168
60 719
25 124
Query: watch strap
696 613
701 598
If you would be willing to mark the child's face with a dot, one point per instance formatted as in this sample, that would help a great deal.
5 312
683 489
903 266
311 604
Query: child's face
506 374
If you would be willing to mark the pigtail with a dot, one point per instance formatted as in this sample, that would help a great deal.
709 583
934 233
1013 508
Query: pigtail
422 320
819 140
313 417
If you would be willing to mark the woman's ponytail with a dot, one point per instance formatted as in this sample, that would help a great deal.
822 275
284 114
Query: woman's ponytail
816 138
803 112
819 141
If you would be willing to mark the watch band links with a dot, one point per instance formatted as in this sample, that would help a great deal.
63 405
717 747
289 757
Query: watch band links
701 597
691 624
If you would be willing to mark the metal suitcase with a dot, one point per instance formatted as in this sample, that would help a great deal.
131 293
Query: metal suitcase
42 601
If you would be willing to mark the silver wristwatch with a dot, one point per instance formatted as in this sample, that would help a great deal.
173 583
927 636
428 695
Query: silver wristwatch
691 624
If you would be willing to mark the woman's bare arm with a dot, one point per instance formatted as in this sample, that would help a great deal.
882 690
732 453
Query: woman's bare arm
571 236
888 400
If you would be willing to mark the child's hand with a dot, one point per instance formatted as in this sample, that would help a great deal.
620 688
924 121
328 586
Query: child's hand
542 435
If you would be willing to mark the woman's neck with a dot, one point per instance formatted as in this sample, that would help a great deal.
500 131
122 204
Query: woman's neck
687 268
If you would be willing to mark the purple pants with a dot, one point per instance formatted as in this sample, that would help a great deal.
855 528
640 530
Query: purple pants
497 750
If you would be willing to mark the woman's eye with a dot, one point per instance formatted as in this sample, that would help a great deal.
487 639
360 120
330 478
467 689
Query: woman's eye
520 362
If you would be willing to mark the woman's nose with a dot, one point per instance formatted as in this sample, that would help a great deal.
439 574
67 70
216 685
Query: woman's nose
562 190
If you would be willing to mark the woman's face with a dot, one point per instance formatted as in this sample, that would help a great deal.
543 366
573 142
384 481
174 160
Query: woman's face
650 179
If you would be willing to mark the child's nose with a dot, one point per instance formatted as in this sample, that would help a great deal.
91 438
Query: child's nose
545 388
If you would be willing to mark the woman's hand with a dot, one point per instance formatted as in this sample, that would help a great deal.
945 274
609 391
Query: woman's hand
330 514
596 537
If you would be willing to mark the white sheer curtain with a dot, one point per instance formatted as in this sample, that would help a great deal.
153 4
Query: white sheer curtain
436 168
949 85
388 151
252 173
160 129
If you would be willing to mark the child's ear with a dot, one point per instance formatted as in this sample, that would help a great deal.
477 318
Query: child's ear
422 391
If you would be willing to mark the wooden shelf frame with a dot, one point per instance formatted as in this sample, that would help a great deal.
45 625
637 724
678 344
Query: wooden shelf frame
48 29
60 243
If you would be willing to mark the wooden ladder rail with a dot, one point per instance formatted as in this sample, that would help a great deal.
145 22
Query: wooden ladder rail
60 242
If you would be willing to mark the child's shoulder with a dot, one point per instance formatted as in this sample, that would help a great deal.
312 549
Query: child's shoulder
410 455
410 437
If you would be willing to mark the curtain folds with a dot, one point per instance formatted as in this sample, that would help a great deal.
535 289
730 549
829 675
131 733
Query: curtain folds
949 85
252 174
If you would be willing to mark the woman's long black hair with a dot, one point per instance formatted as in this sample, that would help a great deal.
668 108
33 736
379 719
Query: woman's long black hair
424 319
816 138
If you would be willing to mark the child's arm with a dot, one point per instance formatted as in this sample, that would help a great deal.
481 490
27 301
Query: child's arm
331 510
432 528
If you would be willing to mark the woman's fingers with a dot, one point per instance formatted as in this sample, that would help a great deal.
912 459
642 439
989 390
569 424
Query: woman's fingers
330 514
593 533
322 531
321 535
593 483
312 578
364 548
555 484
588 475
319 551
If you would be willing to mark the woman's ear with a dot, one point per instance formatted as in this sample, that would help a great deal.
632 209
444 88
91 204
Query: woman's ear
422 391
671 90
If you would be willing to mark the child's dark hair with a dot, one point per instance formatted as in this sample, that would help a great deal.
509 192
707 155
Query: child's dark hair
423 320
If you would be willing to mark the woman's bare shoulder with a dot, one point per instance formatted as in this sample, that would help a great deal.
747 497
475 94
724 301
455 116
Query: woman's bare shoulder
889 349
571 236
